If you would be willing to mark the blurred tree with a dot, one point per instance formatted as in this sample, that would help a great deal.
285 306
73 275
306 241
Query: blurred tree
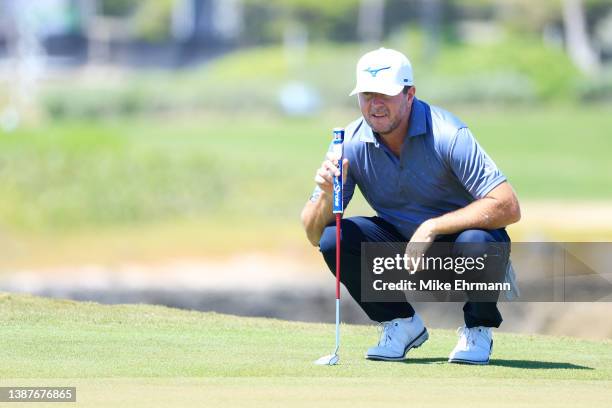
323 8
537 17
266 20
371 20
152 20
117 7
524 16
431 19
577 38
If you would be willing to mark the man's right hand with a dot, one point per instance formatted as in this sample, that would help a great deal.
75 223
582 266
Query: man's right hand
317 212
325 174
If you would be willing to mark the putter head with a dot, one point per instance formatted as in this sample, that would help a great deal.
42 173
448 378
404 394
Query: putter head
331 359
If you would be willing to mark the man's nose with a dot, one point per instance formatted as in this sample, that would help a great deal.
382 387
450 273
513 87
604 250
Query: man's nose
377 99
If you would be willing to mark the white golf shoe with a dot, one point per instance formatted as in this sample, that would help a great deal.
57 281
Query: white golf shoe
397 338
474 346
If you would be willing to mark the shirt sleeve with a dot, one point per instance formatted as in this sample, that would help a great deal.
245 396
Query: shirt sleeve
348 188
472 166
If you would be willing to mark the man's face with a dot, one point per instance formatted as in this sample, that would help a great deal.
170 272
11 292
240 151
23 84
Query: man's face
385 113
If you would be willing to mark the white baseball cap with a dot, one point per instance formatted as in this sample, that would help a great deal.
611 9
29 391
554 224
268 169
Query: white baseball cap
384 71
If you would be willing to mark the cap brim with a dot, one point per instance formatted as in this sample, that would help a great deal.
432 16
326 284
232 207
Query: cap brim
390 90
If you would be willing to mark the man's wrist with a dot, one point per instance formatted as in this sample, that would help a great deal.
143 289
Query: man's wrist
432 225
326 196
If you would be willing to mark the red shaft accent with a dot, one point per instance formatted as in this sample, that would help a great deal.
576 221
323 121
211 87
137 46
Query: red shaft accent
338 219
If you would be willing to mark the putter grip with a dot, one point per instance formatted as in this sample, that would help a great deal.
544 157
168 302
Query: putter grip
337 148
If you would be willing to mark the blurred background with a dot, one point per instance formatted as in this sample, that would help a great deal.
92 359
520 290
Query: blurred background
161 151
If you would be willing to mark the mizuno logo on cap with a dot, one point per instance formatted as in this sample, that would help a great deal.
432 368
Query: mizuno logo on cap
374 71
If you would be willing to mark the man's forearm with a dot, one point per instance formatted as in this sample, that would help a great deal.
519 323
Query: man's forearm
316 215
486 213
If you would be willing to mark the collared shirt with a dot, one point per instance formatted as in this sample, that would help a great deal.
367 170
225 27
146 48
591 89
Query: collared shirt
441 168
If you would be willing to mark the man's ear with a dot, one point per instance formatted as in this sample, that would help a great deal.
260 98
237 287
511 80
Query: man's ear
410 94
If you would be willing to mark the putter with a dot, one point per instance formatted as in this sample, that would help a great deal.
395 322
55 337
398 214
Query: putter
338 209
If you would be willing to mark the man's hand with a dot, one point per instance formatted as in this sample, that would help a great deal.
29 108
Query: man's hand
420 242
317 212
325 174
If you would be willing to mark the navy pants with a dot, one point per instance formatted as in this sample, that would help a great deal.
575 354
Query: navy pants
356 230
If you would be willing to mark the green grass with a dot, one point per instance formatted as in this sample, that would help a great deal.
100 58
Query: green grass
173 357
549 153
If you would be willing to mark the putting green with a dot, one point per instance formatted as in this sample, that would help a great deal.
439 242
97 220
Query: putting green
150 356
